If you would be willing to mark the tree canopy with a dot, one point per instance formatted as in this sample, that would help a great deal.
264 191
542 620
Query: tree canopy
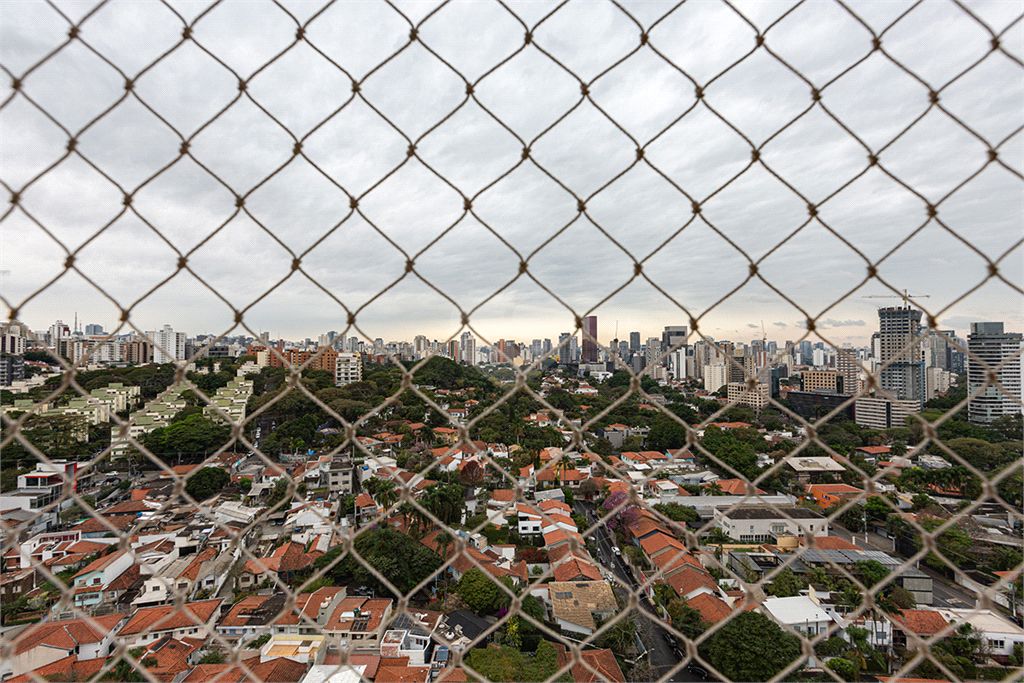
205 482
751 647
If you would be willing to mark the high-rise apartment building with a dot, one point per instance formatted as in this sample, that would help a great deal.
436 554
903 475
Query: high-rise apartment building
652 353
991 347
564 353
590 348
673 337
468 348
900 346
846 365
168 345
348 368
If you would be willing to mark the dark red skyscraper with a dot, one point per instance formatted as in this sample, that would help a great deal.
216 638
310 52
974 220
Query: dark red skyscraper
590 349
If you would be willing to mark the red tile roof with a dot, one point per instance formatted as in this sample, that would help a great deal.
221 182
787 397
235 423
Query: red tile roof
67 633
658 542
95 525
66 669
100 563
712 608
689 580
168 617
832 543
834 488
603 661
735 487
577 570
923 622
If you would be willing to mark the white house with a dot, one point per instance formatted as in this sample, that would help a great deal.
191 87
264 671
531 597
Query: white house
762 524
50 641
1001 633
799 613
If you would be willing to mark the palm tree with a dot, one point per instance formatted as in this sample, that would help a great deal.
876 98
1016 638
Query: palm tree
444 541
715 489
386 494
561 465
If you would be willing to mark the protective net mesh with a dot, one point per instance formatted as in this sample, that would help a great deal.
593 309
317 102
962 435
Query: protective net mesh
633 618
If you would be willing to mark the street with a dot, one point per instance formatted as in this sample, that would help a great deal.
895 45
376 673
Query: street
659 642
945 594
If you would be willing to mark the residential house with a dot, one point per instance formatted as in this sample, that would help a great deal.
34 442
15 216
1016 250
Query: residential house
574 605
597 666
759 524
446 435
90 583
360 621
809 469
15 584
148 624
366 509
1001 633
250 617
409 637
50 641
832 495
799 613
287 559
661 491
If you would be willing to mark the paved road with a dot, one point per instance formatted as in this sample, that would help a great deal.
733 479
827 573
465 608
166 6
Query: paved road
945 594
658 642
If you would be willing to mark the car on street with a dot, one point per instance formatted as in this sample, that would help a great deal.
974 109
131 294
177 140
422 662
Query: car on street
698 670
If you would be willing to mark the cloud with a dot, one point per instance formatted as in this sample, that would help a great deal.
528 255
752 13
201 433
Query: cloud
414 209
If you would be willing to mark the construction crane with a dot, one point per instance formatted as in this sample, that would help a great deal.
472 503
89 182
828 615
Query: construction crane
905 297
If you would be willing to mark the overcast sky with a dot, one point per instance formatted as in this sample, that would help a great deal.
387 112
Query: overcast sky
585 151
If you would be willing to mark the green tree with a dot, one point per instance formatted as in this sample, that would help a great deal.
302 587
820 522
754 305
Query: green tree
195 435
685 618
206 482
786 584
751 647
679 513
666 435
479 591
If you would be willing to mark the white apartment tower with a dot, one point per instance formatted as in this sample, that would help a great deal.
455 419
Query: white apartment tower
467 348
348 368
169 345
990 347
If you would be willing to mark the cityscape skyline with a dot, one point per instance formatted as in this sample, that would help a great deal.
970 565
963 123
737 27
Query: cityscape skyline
774 331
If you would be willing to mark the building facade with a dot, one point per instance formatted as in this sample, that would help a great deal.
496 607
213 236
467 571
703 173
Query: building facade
991 347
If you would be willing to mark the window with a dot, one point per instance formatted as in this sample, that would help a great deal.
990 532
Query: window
997 644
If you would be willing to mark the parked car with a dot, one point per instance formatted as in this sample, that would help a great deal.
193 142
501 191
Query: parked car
698 670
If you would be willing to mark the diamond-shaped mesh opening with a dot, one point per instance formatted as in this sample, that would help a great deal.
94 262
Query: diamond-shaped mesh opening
458 505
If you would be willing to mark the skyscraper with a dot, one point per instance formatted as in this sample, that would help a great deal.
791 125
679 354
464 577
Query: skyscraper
634 342
590 348
468 348
989 347
899 345
672 338
564 353
169 345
